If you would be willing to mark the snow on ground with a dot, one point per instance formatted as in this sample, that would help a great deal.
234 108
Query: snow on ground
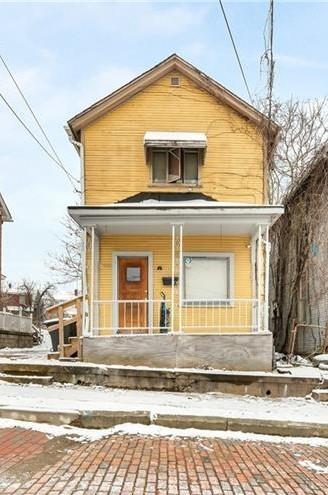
313 466
67 397
38 352
36 355
88 435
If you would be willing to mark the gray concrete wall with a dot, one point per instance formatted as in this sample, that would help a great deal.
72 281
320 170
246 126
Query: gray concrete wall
10 338
236 352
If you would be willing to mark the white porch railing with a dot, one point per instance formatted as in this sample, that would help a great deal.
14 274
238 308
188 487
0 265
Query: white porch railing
131 316
155 316
220 315
15 323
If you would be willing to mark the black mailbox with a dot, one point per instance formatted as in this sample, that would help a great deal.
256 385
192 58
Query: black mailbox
168 280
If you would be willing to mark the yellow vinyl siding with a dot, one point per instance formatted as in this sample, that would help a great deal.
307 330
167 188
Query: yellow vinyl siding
115 159
160 248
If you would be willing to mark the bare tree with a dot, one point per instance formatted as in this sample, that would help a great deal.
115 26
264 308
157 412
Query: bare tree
39 298
67 264
301 147
304 130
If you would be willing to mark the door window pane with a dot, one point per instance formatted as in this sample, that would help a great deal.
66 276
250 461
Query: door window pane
133 274
206 277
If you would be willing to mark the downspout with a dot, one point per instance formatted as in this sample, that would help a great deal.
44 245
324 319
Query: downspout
80 149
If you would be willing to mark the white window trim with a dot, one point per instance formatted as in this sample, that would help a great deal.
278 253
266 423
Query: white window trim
231 279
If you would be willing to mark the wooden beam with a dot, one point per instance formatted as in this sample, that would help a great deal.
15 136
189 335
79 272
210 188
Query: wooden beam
61 330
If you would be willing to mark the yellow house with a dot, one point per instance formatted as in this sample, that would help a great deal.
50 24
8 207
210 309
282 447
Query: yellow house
176 219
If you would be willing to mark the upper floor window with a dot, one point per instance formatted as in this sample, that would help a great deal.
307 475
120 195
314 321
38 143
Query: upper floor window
175 166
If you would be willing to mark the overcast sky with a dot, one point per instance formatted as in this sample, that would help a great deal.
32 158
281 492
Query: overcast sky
67 55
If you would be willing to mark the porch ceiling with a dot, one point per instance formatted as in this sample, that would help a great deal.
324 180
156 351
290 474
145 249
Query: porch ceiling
204 220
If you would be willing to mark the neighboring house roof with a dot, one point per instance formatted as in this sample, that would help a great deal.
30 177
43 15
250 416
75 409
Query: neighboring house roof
319 159
173 62
166 196
4 211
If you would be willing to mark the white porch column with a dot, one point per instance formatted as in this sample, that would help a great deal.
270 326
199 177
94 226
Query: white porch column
266 281
85 309
177 259
172 276
180 275
259 278
92 282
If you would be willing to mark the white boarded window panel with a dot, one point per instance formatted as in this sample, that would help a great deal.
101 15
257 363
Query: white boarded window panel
206 278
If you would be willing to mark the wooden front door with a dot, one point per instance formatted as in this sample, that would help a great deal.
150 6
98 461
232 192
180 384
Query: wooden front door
133 286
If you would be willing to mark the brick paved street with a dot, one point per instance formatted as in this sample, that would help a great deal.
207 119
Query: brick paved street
30 464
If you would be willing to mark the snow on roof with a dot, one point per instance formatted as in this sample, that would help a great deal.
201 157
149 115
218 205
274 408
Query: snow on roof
191 202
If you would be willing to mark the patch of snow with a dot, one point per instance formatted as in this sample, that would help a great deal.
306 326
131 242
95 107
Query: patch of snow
89 435
78 398
314 467
321 359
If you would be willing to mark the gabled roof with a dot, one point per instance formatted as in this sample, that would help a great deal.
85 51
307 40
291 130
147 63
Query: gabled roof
173 62
5 215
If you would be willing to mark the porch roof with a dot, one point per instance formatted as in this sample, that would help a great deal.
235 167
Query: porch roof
157 217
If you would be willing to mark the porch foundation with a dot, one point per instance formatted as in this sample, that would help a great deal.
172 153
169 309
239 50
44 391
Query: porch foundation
235 352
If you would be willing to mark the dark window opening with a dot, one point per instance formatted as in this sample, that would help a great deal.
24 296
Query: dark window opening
175 166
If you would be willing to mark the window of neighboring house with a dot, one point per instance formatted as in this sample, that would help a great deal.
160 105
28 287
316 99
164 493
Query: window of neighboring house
208 277
21 300
175 166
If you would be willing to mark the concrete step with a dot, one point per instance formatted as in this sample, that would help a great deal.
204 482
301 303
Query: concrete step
320 394
53 355
170 380
17 378
69 359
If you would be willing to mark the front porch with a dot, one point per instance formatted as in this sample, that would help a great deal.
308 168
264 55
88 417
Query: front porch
200 268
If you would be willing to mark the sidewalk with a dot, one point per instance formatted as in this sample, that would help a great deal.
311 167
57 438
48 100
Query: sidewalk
32 464
97 407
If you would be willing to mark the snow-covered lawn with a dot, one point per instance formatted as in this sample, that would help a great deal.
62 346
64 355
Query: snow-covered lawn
58 397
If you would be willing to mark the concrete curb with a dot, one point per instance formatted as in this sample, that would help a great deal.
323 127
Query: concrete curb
170 380
98 419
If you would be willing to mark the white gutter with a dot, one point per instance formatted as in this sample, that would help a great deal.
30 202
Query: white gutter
91 216
80 148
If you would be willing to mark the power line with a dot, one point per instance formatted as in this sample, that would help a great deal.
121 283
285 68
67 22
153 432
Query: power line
58 161
236 51
35 138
